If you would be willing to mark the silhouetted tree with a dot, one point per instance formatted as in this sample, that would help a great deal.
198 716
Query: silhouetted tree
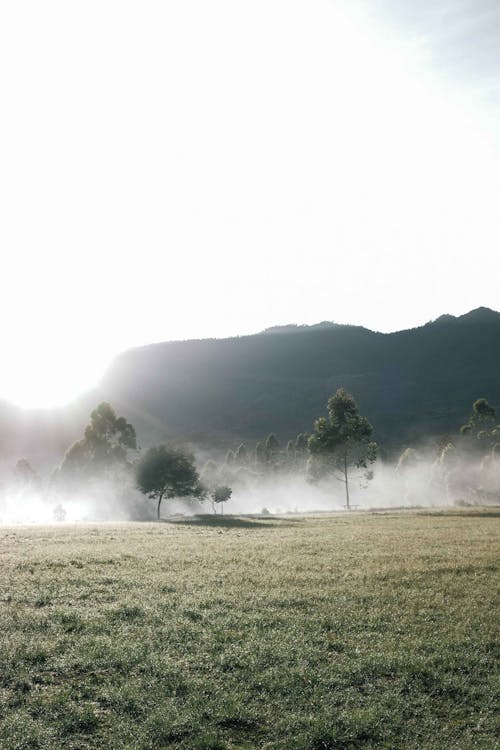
301 442
408 460
107 442
447 466
241 457
481 424
301 450
221 495
272 451
168 471
260 453
343 438
25 474
59 513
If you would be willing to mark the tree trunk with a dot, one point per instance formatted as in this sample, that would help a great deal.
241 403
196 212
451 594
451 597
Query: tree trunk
222 508
159 503
346 482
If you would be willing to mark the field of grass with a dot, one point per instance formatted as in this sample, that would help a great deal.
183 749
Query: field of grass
324 633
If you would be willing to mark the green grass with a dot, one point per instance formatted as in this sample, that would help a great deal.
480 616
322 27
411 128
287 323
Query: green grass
328 633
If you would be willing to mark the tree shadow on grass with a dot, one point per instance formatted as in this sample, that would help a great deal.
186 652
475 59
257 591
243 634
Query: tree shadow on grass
232 522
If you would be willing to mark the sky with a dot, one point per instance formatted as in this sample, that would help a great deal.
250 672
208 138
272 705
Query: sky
194 168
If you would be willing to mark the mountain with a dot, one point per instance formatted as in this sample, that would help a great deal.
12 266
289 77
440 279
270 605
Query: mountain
218 392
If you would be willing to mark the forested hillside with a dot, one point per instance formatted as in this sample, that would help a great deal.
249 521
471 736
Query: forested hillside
410 384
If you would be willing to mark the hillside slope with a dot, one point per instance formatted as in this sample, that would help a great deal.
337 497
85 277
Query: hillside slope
408 383
414 383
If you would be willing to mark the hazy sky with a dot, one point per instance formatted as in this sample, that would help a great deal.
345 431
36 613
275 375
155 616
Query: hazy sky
193 168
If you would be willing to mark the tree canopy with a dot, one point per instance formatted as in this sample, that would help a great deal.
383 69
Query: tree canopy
168 471
108 439
342 439
481 423
221 495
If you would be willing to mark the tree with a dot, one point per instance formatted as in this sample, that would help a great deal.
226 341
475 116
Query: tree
105 446
301 450
408 463
241 456
221 495
272 450
168 471
481 424
260 453
290 453
343 439
25 475
409 459
301 442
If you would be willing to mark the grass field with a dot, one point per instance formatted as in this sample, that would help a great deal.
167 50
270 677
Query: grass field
327 633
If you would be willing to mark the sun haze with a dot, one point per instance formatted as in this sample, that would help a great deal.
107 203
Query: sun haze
192 169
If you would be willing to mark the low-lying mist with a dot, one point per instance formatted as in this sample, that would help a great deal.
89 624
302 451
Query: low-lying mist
418 479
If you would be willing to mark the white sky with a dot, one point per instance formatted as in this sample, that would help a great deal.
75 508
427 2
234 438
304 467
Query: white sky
195 168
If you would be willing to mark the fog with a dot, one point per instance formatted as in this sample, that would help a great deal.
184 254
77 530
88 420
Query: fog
424 482
418 479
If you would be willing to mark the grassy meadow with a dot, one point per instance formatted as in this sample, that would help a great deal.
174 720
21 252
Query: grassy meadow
304 633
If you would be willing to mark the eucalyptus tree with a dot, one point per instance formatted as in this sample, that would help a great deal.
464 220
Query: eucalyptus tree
342 440
109 441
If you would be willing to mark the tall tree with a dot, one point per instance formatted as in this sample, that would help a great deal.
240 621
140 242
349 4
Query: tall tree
25 474
168 471
241 457
273 450
106 445
342 440
481 423
301 450
260 453
290 453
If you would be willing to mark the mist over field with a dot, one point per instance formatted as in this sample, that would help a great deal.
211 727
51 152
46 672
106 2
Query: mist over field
345 462
423 483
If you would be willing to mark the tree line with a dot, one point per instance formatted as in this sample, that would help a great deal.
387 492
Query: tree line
340 445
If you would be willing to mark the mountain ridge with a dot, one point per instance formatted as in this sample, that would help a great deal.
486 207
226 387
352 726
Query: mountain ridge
412 384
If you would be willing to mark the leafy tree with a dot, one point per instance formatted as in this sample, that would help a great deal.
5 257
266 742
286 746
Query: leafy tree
301 450
168 471
483 416
241 457
221 495
481 424
290 453
343 438
272 451
409 459
448 474
301 442
260 453
59 513
105 446
272 445
25 475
